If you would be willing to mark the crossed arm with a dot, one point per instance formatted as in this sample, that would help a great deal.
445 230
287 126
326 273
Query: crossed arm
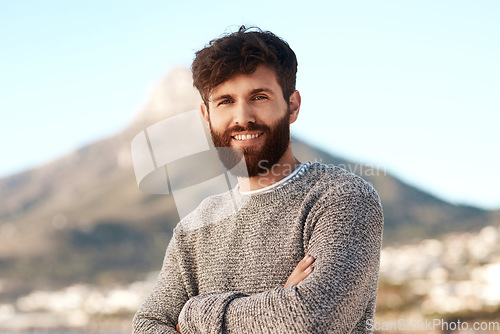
301 271
345 242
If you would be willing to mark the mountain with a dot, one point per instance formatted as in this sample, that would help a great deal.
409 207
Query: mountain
82 218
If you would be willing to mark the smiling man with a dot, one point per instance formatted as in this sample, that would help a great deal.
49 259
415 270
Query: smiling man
301 252
250 114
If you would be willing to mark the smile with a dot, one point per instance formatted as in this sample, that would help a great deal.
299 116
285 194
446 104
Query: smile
247 137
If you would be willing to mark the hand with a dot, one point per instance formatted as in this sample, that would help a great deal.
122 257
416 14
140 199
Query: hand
178 328
300 272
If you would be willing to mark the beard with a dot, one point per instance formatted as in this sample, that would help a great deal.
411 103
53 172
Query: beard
257 160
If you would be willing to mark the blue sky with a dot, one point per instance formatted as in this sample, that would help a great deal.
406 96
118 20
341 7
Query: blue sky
408 86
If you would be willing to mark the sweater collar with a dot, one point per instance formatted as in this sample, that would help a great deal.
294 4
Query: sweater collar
294 187
300 170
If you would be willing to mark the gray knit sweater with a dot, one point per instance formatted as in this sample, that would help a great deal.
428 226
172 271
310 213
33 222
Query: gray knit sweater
228 260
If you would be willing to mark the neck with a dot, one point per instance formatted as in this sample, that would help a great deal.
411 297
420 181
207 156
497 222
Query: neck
286 165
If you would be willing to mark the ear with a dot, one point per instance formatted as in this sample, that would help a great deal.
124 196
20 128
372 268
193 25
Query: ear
294 101
205 114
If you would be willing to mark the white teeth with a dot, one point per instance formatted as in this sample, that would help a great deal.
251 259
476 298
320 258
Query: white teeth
245 137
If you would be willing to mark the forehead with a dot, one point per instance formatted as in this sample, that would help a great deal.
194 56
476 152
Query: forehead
263 77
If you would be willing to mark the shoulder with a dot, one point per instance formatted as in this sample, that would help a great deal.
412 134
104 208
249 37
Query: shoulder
333 182
341 196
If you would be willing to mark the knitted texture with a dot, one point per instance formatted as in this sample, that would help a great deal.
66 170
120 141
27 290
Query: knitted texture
228 260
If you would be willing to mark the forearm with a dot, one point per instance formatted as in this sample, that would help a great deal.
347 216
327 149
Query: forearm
157 314
275 311
142 324
296 309
307 308
333 299
206 313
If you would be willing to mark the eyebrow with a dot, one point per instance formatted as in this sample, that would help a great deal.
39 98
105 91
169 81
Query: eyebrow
252 92
222 97
261 90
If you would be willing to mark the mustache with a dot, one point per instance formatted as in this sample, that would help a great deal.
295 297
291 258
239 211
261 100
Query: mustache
249 127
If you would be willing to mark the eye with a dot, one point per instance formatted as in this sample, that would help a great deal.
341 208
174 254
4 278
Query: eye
260 97
226 101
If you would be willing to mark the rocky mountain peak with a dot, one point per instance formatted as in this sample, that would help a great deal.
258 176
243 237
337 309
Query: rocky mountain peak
172 95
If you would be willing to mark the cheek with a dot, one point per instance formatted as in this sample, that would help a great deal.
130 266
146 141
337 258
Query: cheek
276 113
219 121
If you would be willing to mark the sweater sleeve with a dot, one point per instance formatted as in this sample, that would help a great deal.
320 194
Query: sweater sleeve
345 239
160 311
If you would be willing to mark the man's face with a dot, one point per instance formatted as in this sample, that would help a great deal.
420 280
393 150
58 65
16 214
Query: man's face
249 114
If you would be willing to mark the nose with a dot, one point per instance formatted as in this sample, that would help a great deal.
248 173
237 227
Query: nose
243 114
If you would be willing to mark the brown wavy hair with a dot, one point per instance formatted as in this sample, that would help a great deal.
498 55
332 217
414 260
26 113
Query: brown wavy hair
242 52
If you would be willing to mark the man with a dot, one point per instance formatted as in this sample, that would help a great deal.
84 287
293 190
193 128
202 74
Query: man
251 270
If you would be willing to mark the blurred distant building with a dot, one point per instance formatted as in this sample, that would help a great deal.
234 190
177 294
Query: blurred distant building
458 273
